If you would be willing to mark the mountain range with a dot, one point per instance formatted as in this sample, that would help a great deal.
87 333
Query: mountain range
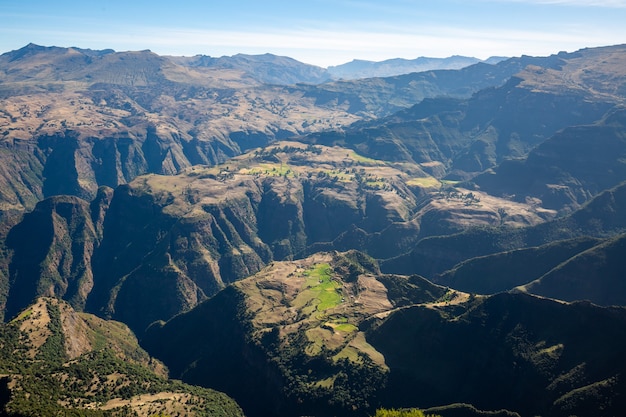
272 69
369 69
450 239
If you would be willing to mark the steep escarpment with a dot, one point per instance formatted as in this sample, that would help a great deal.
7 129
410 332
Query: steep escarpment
76 162
600 217
55 360
51 250
309 336
103 118
594 275
470 135
182 238
503 271
161 244
220 245
508 351
21 175
78 119
568 169
222 335
289 340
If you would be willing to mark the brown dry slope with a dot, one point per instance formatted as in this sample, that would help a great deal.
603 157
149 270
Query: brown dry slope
63 361
91 118
296 329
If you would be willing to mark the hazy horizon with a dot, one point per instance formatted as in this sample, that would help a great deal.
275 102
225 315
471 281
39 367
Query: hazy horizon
320 32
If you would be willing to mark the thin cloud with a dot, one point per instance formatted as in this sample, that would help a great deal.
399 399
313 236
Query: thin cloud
612 4
325 48
334 41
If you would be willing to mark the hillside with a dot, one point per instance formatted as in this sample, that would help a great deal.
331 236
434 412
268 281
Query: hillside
601 217
55 360
391 67
573 269
465 136
295 330
594 275
504 271
513 352
328 334
82 119
566 170
311 248
182 238
78 119
265 69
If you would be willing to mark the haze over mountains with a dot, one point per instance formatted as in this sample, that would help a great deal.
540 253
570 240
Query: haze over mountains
449 239
274 69
367 69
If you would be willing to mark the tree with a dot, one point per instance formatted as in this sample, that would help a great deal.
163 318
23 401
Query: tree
411 412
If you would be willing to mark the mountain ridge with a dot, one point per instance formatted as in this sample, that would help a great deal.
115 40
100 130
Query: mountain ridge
324 247
183 237
116 115
420 341
57 361
397 66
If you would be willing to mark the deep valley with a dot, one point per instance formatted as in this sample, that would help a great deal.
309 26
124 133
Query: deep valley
203 237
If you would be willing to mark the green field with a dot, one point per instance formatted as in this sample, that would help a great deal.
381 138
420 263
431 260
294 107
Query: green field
344 327
269 169
378 183
425 182
321 287
23 315
365 160
340 175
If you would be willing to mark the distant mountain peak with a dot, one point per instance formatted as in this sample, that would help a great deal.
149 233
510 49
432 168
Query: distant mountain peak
358 68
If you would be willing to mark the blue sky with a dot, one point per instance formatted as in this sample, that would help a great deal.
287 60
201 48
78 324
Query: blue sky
320 32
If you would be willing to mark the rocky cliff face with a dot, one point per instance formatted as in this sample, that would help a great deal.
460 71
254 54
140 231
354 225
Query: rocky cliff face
206 228
568 169
296 331
52 250
309 337
103 118
76 164
468 136
160 245
508 351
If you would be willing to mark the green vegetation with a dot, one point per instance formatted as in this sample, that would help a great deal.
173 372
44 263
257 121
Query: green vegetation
412 412
342 325
48 383
364 160
337 175
316 353
270 169
451 193
53 349
322 287
425 182
24 315
269 152
349 265
96 378
173 240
